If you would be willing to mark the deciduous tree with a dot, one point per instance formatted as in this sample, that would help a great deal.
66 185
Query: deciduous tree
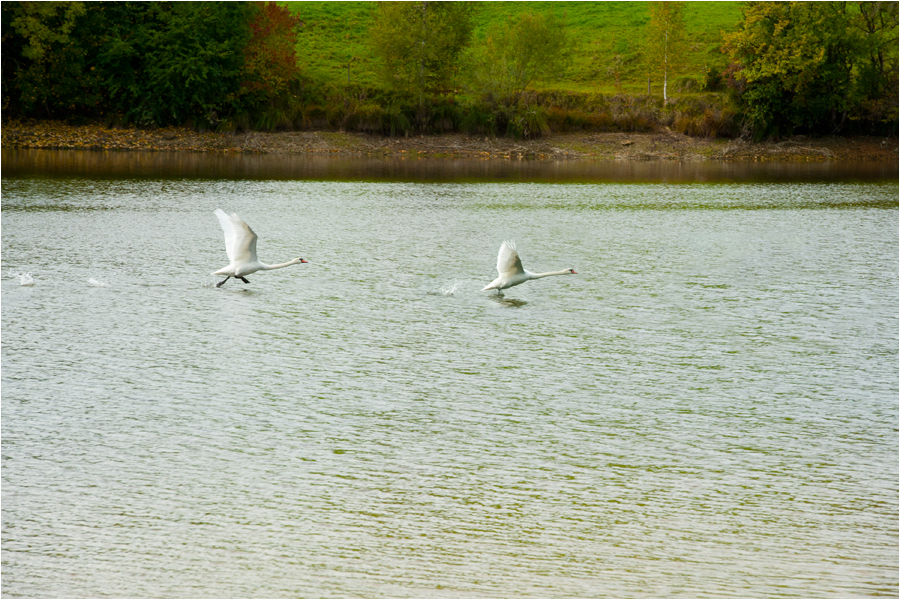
515 54
419 42
815 65
665 42
30 31
270 62
877 65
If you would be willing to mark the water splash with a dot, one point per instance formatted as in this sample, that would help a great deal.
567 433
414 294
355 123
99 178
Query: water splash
450 290
26 279
94 283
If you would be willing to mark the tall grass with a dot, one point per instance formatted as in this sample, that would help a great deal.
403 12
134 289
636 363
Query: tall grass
540 113
372 111
704 117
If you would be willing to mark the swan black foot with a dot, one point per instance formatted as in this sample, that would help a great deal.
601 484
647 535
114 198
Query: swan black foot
244 279
223 281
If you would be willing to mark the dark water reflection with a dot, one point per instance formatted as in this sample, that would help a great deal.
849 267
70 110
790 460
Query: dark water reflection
182 165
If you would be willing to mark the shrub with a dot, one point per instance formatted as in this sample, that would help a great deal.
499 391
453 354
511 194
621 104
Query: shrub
703 117
601 121
366 117
444 116
527 122
396 121
687 85
313 116
635 114
479 119
273 118
153 63
712 79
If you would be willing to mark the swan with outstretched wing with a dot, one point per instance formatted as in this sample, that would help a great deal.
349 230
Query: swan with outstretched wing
240 246
511 272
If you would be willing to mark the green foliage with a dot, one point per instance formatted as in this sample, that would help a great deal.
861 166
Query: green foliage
418 44
42 24
396 121
150 63
513 55
877 65
366 117
31 31
273 118
813 66
193 60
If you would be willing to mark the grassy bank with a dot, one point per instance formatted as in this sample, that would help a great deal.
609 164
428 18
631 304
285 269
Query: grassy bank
333 44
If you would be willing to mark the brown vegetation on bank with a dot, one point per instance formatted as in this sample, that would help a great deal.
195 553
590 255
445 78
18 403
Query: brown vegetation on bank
661 145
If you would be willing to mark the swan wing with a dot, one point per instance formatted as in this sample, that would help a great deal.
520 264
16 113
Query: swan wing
508 261
240 241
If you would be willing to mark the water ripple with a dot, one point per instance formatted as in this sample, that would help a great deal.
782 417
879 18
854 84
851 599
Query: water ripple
709 409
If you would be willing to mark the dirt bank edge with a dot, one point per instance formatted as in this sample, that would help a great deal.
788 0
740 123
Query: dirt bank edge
664 145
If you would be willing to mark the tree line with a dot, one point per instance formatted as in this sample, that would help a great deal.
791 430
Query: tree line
145 63
789 67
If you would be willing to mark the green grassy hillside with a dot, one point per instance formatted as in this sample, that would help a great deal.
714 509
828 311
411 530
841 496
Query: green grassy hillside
335 37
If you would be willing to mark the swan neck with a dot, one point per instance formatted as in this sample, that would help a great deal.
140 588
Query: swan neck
278 266
549 273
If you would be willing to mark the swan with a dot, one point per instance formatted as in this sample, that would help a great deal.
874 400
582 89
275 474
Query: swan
240 245
509 266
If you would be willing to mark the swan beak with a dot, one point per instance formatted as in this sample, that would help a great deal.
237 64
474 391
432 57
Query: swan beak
574 272
303 260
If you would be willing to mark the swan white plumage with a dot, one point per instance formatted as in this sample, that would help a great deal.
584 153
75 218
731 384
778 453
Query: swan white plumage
240 245
509 267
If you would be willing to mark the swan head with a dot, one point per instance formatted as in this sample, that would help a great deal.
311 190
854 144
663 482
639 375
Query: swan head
572 272
299 260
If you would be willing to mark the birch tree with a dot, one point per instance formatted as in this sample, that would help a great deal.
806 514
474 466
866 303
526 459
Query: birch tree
665 44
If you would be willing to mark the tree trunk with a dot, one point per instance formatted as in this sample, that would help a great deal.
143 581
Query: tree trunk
666 66
422 56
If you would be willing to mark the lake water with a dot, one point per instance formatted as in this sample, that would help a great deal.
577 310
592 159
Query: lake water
708 408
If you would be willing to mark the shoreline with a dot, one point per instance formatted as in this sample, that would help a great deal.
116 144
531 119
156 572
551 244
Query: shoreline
662 145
